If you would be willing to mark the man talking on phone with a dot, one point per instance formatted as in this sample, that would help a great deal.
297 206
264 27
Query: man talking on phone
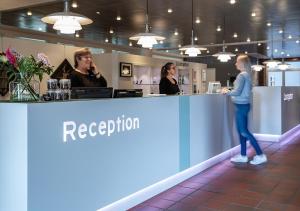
86 74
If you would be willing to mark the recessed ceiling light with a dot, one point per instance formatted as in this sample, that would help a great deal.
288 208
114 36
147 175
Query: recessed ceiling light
207 51
253 14
290 36
246 52
297 41
196 38
269 24
280 31
29 13
275 50
179 46
161 42
176 32
106 40
76 35
235 35
281 52
197 20
288 55
170 10
111 31
74 4
118 18
219 29
236 50
248 39
232 1
259 44
130 43
98 13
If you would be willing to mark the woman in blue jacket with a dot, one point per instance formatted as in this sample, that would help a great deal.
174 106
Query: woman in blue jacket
241 97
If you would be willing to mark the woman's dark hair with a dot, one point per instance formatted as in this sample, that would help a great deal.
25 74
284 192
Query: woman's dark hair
79 53
165 68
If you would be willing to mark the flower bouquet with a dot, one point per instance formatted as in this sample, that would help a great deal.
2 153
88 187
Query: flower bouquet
22 72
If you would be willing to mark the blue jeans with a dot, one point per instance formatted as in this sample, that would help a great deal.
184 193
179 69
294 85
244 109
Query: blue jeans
241 118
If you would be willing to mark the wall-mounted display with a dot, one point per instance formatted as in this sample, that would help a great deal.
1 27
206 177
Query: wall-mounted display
125 69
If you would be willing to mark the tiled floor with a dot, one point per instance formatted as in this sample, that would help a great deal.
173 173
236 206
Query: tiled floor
274 186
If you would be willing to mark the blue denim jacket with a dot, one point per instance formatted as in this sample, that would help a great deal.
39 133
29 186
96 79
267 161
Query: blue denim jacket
242 91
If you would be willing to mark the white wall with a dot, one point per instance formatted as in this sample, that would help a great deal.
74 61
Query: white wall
292 78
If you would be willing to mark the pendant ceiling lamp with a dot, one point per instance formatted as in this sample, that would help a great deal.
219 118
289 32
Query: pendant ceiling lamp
257 67
271 63
192 50
224 56
283 65
147 39
67 22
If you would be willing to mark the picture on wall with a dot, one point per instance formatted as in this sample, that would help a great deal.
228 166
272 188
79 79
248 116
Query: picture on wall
125 69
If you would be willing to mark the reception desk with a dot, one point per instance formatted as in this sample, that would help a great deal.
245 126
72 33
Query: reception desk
85 155
276 110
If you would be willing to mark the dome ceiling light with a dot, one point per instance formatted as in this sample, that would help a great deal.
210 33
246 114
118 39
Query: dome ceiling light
192 50
283 65
224 56
271 63
67 22
257 67
147 39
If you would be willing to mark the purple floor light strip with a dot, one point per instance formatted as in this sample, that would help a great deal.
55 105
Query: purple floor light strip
290 135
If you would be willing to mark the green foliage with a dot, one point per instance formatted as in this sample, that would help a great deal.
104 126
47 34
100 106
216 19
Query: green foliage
26 68
23 69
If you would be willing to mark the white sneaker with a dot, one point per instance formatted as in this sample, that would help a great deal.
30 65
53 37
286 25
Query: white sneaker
239 159
259 159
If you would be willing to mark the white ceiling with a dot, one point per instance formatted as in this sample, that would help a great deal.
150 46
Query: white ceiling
13 4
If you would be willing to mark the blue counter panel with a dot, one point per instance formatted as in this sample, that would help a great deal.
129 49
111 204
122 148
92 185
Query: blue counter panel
184 124
211 127
13 157
86 174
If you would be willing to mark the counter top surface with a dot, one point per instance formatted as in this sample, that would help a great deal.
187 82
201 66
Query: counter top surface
106 99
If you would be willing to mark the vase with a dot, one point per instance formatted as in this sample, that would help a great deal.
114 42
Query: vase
21 90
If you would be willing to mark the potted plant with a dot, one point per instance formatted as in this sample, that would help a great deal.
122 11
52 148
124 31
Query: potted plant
22 73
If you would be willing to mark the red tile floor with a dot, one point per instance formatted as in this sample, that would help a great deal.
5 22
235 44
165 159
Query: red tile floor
274 186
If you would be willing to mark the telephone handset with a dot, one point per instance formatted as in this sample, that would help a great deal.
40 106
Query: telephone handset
91 71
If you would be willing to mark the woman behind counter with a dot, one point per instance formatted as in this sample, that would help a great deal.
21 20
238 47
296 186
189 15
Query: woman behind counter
168 85
86 74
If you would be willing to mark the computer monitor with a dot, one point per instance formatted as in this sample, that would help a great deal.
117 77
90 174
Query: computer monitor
128 93
214 87
91 92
